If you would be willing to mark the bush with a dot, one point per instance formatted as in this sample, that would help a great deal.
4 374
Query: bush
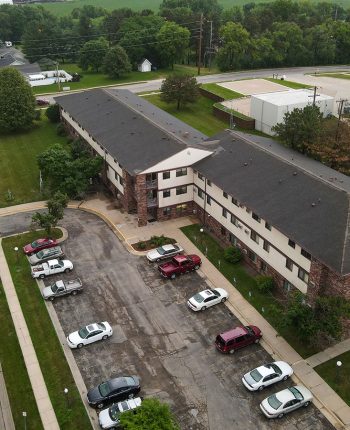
158 240
61 131
53 113
233 254
141 245
265 284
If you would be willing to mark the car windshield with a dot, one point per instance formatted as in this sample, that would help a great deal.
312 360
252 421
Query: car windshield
104 389
296 393
198 298
274 402
34 244
114 413
130 382
250 331
54 287
40 254
101 326
83 332
276 368
256 375
160 250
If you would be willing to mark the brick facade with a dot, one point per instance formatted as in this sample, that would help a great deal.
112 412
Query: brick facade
175 212
141 198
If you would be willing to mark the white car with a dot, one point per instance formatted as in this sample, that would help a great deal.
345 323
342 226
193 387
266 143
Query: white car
206 298
89 334
164 251
279 404
268 374
109 418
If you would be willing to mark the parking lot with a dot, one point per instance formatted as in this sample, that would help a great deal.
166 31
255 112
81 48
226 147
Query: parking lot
158 338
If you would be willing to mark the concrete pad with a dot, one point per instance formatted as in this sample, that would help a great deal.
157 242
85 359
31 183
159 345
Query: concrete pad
312 380
323 391
239 105
253 86
333 402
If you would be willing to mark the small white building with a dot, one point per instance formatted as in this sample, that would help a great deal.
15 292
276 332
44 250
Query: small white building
144 66
48 78
6 2
269 109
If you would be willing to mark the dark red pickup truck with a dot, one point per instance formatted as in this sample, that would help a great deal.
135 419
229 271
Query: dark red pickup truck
178 265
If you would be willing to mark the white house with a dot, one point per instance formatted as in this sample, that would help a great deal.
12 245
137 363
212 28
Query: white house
269 109
144 66
6 2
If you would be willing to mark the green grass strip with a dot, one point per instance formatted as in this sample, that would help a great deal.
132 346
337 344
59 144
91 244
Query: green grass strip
289 84
225 93
246 285
47 346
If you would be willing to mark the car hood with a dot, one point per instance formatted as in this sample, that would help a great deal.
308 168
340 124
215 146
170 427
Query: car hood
305 393
105 420
75 338
285 367
153 255
94 395
47 292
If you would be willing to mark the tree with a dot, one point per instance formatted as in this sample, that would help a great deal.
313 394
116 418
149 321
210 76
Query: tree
53 113
300 128
173 40
92 54
236 42
181 89
116 62
56 206
232 254
152 414
17 102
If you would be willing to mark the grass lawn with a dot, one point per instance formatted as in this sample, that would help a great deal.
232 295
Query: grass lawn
289 84
335 75
51 358
18 161
92 79
222 92
340 382
17 381
199 114
264 303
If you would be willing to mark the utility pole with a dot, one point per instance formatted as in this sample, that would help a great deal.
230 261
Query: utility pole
210 42
314 101
340 112
200 44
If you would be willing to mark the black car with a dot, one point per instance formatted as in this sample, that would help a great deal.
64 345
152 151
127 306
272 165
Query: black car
114 390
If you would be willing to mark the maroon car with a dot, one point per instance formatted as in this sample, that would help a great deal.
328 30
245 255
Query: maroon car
237 338
42 102
179 264
38 245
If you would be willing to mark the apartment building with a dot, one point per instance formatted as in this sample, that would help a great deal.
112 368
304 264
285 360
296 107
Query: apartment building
288 214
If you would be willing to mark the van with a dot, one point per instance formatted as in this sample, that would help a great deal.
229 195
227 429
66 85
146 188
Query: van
237 338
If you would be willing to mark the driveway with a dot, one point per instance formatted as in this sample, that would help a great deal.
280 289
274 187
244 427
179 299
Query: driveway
157 337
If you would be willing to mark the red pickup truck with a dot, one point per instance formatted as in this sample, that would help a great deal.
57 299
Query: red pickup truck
178 265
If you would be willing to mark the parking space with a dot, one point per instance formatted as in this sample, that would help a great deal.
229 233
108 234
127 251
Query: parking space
158 338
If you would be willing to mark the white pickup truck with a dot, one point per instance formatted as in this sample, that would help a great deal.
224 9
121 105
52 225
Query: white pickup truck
61 288
51 267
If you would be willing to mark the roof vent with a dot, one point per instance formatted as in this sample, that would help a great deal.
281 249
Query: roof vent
313 204
245 164
280 181
295 173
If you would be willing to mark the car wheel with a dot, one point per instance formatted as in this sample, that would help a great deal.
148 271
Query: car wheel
280 416
52 298
80 345
232 351
261 388
74 293
173 276
42 276
306 404
196 267
223 300
257 341
67 271
105 337
100 405
285 378
203 308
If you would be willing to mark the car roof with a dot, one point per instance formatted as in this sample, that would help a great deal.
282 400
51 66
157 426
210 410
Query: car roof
235 332
285 395
168 247
92 327
207 293
265 371
118 382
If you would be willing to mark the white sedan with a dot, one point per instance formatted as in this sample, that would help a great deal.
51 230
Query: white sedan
164 251
279 404
89 334
268 374
203 300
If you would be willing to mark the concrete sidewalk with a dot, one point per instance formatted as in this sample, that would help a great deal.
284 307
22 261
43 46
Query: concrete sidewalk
329 353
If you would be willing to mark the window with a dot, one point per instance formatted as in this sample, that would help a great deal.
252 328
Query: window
181 190
234 201
256 217
306 254
167 211
233 239
200 194
247 210
181 172
224 212
266 246
121 180
254 236
291 243
223 231
252 255
287 286
268 226
116 176
181 208
166 193
289 264
166 175
263 266
209 200
209 183
225 195
304 276
234 220
200 176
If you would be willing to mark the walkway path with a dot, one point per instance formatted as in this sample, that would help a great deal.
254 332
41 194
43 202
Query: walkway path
329 353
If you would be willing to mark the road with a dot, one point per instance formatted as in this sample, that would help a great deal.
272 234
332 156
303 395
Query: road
156 336
294 74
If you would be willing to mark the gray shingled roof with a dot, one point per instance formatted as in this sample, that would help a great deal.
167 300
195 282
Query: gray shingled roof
125 125
296 195
7 60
